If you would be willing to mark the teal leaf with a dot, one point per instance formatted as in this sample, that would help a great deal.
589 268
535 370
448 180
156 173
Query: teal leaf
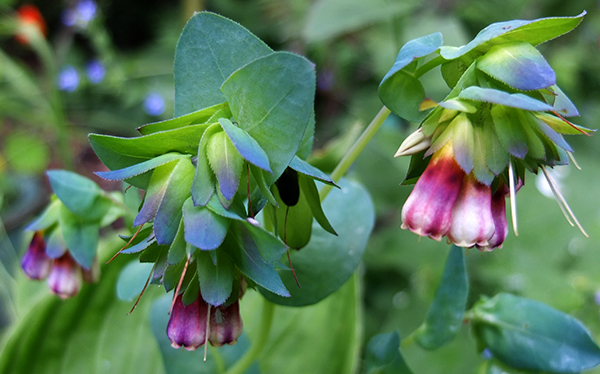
531 335
562 126
490 95
236 210
177 249
198 117
496 157
225 162
259 177
562 104
118 153
533 32
311 194
48 217
132 280
55 243
552 135
79 194
328 261
142 167
510 131
192 288
168 215
445 315
305 168
81 237
519 65
246 145
269 246
272 99
382 355
243 251
308 138
138 247
216 281
203 186
480 168
400 90
210 49
155 193
463 142
203 228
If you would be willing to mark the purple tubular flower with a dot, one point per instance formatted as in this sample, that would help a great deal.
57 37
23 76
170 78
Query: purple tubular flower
225 325
65 278
472 220
187 325
428 209
36 264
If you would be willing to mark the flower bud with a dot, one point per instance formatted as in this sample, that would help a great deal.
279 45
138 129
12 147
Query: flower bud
36 264
414 143
187 325
65 278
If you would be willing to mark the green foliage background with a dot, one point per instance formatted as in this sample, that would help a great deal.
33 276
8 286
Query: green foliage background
353 46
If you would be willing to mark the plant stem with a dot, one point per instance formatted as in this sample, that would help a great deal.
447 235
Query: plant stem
428 66
257 346
355 150
408 340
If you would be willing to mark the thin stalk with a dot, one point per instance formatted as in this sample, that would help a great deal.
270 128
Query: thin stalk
355 150
252 354
513 196
428 66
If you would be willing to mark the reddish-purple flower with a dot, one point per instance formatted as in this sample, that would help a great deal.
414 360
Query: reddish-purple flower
225 325
428 209
187 325
36 264
65 278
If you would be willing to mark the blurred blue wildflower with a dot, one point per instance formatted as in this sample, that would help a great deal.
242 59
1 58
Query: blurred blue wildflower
154 104
486 354
81 14
95 71
68 79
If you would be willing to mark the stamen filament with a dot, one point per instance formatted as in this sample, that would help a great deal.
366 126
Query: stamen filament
513 195
559 197
207 330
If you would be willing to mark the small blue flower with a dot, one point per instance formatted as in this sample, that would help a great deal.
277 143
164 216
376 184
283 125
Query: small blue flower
154 104
83 12
486 354
68 79
95 71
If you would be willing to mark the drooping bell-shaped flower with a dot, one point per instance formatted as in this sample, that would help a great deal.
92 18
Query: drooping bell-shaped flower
225 325
428 209
187 325
36 264
472 220
500 223
65 278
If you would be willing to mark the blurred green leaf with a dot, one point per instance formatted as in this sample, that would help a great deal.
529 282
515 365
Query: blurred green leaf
531 335
26 153
79 194
383 355
328 19
327 262
498 367
445 315
86 334
210 48
272 99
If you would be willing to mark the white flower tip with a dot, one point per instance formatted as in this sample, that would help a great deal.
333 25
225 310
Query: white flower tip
414 143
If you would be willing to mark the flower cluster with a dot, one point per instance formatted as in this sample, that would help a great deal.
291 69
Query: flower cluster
64 274
473 148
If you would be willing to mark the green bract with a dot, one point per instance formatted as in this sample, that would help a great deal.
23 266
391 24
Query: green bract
504 105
